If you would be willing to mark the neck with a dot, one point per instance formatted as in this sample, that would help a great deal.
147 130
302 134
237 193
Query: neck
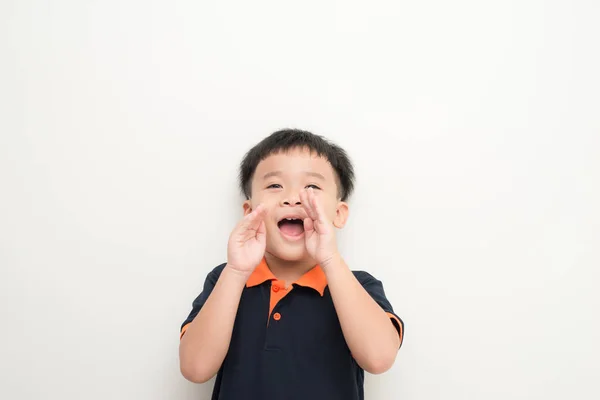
288 271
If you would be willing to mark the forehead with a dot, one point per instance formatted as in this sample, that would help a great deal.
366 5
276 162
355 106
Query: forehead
295 161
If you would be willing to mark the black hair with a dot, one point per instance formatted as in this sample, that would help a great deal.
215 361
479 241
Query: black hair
288 139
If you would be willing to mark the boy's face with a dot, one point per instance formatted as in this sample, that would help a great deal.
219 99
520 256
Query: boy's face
277 183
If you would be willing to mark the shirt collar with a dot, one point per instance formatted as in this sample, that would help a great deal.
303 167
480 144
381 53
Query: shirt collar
315 278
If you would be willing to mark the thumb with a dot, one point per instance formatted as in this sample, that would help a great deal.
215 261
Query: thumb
309 225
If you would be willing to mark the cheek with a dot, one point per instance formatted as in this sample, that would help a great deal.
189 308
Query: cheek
332 215
270 215
256 200
329 207
270 202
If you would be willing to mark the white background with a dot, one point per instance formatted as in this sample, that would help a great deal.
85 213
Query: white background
474 127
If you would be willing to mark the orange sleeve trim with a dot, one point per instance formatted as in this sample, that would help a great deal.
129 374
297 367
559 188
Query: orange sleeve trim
183 330
400 332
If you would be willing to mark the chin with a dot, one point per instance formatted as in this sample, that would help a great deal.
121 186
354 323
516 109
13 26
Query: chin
289 254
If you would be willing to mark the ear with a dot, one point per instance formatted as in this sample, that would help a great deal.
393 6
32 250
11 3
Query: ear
341 215
247 206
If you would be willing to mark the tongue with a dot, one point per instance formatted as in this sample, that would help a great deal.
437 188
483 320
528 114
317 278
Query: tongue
292 228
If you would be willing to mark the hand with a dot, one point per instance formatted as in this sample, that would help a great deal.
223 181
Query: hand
319 233
247 242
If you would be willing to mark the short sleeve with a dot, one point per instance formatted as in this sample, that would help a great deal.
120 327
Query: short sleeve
375 288
198 303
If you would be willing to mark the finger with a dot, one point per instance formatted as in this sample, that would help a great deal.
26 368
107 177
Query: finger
305 199
308 226
316 206
321 224
252 220
259 218
252 226
261 211
261 233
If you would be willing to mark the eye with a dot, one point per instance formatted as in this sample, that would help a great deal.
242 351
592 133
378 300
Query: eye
313 186
274 186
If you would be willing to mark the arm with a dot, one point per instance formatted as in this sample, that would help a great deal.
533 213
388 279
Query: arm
206 339
369 333
368 330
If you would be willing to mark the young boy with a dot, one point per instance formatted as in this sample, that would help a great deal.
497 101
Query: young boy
284 317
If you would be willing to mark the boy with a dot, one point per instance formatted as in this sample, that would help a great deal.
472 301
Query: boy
284 317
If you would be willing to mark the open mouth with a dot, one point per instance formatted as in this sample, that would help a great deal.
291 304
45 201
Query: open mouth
291 226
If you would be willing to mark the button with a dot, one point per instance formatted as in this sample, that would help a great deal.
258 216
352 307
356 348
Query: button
276 316
276 289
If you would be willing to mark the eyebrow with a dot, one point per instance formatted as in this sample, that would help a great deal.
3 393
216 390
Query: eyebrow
279 173
315 175
270 174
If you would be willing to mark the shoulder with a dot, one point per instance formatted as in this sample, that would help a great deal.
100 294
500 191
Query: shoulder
213 276
370 283
218 269
215 273
364 277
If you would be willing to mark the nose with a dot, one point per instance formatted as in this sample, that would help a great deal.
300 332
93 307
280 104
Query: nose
291 199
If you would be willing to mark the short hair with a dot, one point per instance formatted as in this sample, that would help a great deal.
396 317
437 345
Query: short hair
287 139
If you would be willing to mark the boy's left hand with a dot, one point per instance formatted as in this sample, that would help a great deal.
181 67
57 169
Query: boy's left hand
319 233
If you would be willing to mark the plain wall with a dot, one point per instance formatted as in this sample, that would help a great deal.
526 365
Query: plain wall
474 127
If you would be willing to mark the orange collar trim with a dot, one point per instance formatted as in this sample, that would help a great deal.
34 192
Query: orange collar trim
314 278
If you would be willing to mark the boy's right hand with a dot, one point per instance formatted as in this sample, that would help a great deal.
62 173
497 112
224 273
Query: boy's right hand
247 243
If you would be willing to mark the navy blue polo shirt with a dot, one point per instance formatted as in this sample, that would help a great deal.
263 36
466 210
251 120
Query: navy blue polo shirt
287 343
